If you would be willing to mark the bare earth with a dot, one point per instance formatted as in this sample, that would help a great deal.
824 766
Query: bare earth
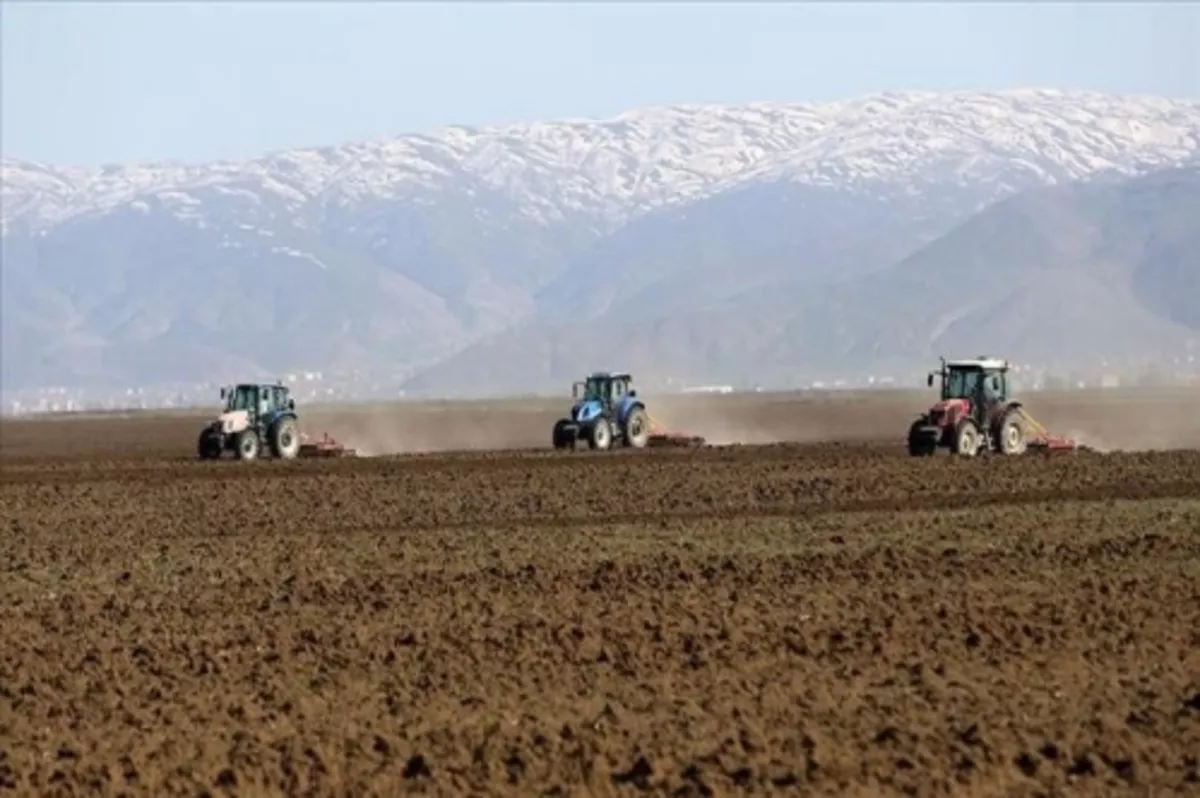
822 618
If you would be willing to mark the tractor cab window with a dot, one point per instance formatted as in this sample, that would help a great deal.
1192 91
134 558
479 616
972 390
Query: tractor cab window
995 386
241 398
962 384
619 388
597 389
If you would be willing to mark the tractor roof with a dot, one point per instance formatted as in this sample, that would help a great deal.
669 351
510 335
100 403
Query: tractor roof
608 375
985 363
261 385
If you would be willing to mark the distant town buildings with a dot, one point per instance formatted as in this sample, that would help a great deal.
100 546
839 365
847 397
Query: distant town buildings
312 387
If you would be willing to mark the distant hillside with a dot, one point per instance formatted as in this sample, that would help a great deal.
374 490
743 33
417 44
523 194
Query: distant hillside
697 240
1092 272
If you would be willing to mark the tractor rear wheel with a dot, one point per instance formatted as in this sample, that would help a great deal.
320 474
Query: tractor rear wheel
247 444
600 434
967 439
285 439
1011 440
209 445
637 428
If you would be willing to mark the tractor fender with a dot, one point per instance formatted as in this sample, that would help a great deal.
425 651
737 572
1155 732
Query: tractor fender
627 406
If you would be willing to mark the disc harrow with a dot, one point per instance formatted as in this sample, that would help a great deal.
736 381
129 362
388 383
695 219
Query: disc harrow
661 437
325 446
1042 441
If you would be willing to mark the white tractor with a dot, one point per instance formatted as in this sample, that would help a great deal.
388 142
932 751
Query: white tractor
258 418
255 416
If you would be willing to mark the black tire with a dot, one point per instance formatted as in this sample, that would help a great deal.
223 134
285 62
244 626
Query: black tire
967 439
920 445
1011 440
564 436
637 428
285 439
209 445
600 434
246 445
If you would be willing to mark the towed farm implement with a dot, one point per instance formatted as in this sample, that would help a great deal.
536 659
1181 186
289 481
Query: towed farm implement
976 414
324 446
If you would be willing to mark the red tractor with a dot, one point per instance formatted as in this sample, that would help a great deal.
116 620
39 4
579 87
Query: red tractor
976 414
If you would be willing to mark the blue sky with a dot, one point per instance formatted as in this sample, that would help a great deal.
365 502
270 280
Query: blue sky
94 82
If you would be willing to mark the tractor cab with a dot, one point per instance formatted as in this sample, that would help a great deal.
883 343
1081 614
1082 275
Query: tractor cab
603 388
257 400
982 381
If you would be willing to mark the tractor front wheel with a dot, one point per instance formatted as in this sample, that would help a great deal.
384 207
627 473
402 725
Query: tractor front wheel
209 445
920 444
247 445
967 439
600 434
285 439
564 436
637 428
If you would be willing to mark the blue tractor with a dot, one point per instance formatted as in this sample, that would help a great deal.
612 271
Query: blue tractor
606 411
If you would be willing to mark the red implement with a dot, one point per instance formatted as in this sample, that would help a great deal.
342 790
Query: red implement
324 446
1053 443
1043 441
661 437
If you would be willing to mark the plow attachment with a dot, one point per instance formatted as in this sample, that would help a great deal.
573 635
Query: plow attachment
661 437
324 446
1043 441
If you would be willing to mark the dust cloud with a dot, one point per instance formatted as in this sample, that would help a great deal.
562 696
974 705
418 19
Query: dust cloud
1089 440
394 431
1136 424
1151 423
726 421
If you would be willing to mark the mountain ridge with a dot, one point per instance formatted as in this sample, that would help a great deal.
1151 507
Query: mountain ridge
401 253
795 131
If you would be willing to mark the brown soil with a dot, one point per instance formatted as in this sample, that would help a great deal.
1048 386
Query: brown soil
824 618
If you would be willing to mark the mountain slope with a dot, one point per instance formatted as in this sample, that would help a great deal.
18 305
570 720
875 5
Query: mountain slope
1099 271
389 256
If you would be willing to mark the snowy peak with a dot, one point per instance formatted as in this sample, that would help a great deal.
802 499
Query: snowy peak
611 169
1052 136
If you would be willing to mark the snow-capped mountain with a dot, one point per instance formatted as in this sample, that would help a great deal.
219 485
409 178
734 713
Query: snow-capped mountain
401 252
641 160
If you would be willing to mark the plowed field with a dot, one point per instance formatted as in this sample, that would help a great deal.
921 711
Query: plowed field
813 618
